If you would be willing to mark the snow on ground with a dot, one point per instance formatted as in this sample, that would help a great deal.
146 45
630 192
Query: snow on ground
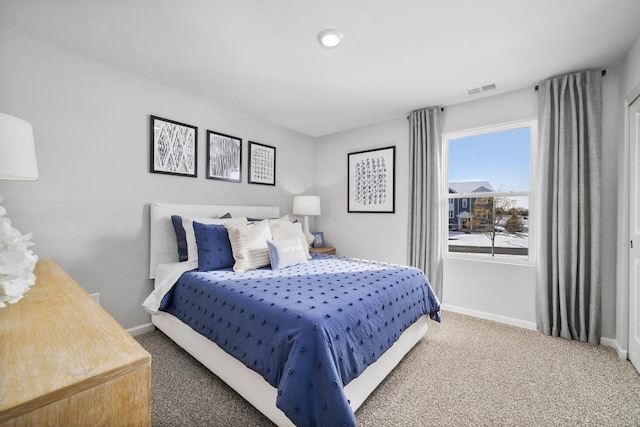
503 240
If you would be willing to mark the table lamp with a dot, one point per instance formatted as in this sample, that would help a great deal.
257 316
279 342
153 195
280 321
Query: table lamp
306 206
17 162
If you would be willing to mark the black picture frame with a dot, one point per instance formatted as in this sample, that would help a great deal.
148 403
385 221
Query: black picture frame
371 181
173 147
224 157
262 164
318 239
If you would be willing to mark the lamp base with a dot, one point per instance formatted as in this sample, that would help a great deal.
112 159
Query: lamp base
20 262
305 230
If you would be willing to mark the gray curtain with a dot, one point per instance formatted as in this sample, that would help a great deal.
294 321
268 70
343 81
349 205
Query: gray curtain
425 195
570 141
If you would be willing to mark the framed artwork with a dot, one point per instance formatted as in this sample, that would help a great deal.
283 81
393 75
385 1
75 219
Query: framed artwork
174 147
371 183
224 157
262 164
318 239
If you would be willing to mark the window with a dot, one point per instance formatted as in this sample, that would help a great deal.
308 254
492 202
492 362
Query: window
489 170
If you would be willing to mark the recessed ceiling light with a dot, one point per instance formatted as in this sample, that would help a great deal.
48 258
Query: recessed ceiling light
330 38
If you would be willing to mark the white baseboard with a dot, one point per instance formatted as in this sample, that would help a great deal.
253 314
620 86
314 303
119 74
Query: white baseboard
610 342
490 316
141 329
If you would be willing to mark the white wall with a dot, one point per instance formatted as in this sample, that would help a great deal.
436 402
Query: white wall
380 237
630 69
500 291
89 210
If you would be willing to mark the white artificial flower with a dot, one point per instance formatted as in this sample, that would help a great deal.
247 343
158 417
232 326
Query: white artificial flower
16 262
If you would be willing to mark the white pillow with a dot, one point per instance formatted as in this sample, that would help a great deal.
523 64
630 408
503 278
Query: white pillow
187 224
249 244
282 218
281 230
285 253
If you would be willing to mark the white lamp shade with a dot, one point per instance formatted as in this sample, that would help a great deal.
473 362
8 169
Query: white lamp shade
306 205
17 149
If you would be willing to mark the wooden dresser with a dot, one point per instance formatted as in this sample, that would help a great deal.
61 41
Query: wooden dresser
64 361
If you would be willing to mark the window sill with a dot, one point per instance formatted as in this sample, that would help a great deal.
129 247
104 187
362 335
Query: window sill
489 259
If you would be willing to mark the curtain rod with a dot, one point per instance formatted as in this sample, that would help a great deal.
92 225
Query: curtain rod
441 109
604 73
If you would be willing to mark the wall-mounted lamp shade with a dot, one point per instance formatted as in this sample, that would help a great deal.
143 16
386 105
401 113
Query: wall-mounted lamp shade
306 205
330 38
17 149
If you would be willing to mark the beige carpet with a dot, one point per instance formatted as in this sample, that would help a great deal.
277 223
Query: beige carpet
466 371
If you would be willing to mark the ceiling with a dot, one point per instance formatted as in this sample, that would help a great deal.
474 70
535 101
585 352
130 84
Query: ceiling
262 57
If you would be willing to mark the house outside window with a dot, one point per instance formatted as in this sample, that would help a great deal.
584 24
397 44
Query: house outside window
489 192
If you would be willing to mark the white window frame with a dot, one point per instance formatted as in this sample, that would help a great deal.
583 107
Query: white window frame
532 193
464 202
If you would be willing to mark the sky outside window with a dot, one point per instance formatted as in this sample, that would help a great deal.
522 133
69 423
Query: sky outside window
501 158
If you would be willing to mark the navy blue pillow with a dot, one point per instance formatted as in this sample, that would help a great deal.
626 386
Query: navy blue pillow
181 236
214 248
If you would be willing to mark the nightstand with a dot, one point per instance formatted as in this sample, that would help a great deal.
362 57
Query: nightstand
327 250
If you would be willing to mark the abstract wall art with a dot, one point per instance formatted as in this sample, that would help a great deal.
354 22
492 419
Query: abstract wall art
371 181
224 157
262 164
174 147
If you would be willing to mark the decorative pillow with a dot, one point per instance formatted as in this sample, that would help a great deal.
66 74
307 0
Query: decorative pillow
187 224
281 230
214 248
249 244
181 237
282 218
285 253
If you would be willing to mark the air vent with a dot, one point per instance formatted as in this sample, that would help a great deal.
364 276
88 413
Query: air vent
481 89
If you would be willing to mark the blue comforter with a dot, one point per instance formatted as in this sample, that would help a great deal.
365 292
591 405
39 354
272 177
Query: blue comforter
308 329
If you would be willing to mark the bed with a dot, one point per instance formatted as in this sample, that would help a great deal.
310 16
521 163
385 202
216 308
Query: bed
323 325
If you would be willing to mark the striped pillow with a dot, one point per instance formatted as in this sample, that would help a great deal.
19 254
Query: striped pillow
249 245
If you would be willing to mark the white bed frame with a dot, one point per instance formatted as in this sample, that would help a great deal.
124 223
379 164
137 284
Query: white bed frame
246 382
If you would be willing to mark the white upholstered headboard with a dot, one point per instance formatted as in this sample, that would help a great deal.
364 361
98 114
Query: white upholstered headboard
163 246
